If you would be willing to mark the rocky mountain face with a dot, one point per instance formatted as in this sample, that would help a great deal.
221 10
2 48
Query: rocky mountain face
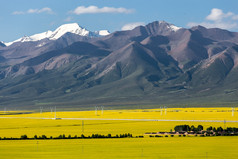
150 65
2 44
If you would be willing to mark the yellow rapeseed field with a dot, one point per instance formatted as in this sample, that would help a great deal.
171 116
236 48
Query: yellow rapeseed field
171 147
128 148
50 127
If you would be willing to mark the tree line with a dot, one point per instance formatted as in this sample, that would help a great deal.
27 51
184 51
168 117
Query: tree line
219 131
188 128
63 136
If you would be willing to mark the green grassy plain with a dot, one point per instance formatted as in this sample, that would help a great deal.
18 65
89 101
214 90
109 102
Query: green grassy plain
170 147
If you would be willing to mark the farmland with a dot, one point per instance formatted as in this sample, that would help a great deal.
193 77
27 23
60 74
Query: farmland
186 147
112 121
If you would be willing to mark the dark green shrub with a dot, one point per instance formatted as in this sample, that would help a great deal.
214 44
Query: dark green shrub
24 137
43 137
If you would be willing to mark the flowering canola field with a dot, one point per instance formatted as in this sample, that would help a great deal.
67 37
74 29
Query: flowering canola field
36 123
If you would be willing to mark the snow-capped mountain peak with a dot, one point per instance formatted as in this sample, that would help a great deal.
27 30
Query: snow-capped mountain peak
41 36
170 26
59 32
69 28
22 39
174 28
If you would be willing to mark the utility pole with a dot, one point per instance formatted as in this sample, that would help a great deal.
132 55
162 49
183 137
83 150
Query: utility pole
233 111
142 153
96 110
55 112
41 109
51 109
102 110
82 126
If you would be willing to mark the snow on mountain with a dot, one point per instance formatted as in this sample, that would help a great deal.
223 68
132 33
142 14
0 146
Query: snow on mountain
174 28
60 31
102 32
75 29
41 36
71 28
35 37
170 26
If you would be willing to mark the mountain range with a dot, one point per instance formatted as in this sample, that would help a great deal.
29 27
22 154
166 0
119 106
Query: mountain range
151 65
59 32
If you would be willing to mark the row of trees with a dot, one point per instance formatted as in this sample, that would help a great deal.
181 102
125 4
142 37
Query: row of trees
209 130
220 129
187 128
63 136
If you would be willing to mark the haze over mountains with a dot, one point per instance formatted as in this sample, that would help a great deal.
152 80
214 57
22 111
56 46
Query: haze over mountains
150 65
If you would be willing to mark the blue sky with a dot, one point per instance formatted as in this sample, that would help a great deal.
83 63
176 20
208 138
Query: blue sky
28 17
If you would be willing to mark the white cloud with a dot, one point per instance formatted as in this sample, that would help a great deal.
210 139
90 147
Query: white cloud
218 19
131 26
35 11
218 15
18 13
235 17
215 15
43 10
94 9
